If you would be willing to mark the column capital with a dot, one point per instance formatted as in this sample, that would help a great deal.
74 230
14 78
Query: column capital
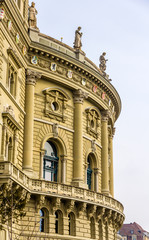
79 96
32 76
96 170
105 114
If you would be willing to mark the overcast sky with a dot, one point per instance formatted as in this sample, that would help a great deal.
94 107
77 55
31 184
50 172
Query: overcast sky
121 29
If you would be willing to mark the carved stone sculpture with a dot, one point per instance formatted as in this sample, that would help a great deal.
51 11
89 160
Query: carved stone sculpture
103 61
77 41
32 20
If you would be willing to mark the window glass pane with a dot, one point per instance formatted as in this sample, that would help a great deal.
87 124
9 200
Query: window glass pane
50 149
48 176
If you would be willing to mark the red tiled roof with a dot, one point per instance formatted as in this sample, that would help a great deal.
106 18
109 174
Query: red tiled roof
137 230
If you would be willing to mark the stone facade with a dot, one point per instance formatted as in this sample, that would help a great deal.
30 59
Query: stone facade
56 146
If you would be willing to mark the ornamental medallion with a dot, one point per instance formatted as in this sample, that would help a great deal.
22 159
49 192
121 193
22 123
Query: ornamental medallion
34 60
69 74
103 95
9 25
53 67
95 89
24 50
2 13
83 81
17 38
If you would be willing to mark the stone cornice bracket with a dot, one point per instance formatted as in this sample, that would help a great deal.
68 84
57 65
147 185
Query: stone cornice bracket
81 208
105 115
39 202
32 77
70 205
79 96
91 210
56 203
100 213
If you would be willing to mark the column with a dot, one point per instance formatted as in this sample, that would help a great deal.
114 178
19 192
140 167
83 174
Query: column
42 153
15 147
96 172
111 163
63 172
31 78
104 153
79 96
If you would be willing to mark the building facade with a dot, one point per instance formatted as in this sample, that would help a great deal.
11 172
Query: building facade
133 231
57 115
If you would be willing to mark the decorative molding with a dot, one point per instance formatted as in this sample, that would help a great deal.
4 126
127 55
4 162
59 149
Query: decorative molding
93 122
55 104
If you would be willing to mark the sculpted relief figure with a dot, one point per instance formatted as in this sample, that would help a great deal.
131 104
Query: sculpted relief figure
77 41
103 61
32 20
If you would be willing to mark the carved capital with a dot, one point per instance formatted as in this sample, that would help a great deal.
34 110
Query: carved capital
32 77
105 115
79 96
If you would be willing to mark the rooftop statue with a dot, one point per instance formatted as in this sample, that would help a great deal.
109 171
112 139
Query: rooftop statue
32 20
103 61
77 41
103 66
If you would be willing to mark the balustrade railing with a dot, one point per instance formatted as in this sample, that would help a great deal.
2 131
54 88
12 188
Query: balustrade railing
8 170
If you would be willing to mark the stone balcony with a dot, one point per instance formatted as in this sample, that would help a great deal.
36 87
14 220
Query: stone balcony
52 189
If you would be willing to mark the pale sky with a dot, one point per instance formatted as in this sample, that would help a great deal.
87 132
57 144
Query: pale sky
121 29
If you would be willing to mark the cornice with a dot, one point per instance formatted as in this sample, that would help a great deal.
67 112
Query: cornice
50 54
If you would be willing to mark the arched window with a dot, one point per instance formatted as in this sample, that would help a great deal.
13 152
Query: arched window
89 173
44 220
92 227
50 165
72 227
58 222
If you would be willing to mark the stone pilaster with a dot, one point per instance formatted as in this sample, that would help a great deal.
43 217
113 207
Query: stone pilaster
31 78
79 97
104 153
15 147
111 163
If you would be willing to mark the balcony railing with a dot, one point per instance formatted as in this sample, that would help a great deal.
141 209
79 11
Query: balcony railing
38 186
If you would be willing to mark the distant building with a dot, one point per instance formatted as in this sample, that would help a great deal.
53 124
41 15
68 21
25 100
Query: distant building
133 231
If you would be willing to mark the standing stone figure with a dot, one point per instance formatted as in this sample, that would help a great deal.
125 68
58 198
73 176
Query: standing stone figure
103 61
77 41
32 20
